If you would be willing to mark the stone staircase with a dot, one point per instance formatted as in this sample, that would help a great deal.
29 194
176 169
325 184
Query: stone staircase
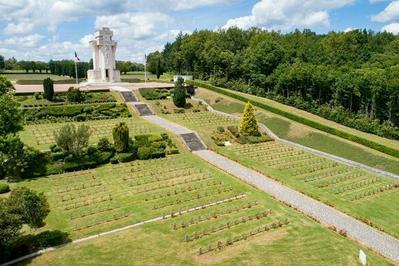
193 142
143 109
128 96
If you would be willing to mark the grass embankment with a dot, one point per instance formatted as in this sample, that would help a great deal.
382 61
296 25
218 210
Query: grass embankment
146 189
308 136
387 146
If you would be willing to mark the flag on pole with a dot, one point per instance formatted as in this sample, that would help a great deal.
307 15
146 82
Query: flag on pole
76 56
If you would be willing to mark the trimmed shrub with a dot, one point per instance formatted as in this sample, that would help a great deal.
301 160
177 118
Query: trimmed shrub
114 161
150 152
74 95
104 144
48 88
142 140
120 134
125 157
145 152
4 188
179 93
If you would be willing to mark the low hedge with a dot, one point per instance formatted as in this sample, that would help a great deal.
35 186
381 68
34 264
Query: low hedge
4 188
302 120
125 157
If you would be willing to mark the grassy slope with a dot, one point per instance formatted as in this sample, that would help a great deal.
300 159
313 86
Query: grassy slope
375 138
158 243
310 137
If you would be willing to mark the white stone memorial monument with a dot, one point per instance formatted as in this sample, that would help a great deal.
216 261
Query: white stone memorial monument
104 67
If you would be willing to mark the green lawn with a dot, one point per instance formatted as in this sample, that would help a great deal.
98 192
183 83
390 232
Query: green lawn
305 135
93 201
295 167
36 76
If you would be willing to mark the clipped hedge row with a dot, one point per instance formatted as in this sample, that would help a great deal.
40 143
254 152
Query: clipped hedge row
302 120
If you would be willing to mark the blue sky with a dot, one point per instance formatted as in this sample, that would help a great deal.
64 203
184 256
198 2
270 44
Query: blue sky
54 29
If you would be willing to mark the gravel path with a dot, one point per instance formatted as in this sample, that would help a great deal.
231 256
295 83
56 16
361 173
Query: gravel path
378 241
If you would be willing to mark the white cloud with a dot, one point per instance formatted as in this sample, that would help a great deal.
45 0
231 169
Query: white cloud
138 33
288 14
391 12
392 28
25 41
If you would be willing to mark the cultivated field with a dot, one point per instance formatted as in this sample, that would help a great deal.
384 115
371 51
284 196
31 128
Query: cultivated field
242 224
42 135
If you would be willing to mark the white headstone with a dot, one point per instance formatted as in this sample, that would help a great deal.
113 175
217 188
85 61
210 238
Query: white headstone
362 258
104 66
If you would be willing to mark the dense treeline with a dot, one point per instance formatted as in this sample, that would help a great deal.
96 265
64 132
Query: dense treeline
351 78
63 67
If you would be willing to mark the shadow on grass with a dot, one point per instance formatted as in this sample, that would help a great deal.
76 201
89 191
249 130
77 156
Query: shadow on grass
27 244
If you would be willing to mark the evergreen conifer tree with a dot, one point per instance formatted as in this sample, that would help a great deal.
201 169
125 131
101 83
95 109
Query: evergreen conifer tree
248 124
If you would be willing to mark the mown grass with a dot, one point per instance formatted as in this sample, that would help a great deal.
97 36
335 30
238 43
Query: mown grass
302 241
287 129
381 210
36 76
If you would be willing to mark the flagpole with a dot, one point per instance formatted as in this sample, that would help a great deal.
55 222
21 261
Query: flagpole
145 68
76 73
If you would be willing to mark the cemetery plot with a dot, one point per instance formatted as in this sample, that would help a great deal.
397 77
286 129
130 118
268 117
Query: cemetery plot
355 191
202 120
114 195
347 182
44 134
206 212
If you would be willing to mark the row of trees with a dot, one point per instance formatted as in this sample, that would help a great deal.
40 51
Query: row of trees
353 74
63 67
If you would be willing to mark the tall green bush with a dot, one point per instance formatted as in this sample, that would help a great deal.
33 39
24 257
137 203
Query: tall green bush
73 139
48 87
179 94
248 124
120 134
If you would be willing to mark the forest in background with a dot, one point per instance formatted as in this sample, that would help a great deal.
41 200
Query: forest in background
348 77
